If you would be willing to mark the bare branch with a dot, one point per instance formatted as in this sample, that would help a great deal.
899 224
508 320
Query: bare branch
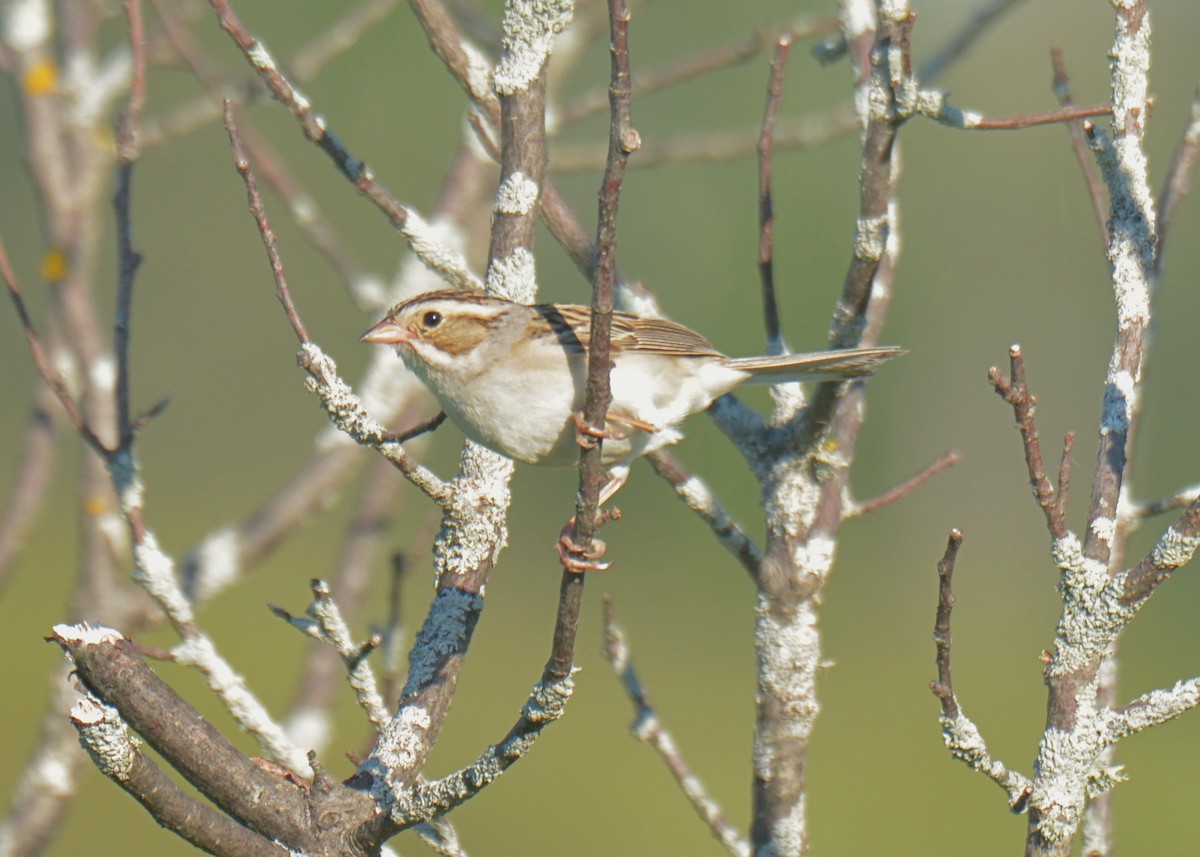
1015 391
116 754
943 688
961 735
53 378
112 670
1174 550
902 490
242 161
981 19
1079 145
701 500
435 254
648 728
623 141
1179 176
766 210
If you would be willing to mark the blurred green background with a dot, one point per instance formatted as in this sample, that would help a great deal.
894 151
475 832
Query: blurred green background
999 246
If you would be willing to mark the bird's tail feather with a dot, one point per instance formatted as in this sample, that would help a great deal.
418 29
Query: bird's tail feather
845 363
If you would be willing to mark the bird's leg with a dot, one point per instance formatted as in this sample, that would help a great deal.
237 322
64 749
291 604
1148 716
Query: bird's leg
585 432
574 556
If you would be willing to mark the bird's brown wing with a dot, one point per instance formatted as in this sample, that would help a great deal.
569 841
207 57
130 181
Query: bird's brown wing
572 325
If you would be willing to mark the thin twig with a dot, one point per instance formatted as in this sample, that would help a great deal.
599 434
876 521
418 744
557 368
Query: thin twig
1179 176
1178 500
304 209
766 209
53 378
648 728
128 259
242 162
904 488
943 688
936 108
982 18
691 67
704 503
34 474
623 141
423 427
1015 391
1083 154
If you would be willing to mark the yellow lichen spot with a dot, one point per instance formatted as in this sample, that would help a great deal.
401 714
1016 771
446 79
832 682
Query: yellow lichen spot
42 77
104 137
830 445
95 506
54 265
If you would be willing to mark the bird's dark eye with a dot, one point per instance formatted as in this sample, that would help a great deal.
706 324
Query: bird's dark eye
431 319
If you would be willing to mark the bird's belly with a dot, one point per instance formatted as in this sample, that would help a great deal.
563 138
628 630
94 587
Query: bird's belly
536 414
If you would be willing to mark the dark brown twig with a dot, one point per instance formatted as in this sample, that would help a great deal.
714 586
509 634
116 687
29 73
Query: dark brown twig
304 209
116 755
623 141
128 259
53 378
689 68
1015 391
1064 474
242 162
1083 154
313 125
943 687
766 208
114 672
423 427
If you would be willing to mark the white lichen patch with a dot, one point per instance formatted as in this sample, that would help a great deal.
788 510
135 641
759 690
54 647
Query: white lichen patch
216 562
530 27
87 635
442 635
105 737
102 372
1104 528
1133 299
517 194
27 24
548 701
438 244
514 277
870 238
94 89
261 57
400 745
815 555
789 651
1174 549
857 18
155 572
478 73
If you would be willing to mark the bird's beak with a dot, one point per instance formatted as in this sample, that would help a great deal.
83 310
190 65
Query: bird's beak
386 331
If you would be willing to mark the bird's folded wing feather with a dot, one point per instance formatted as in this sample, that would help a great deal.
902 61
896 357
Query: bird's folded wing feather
573 326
